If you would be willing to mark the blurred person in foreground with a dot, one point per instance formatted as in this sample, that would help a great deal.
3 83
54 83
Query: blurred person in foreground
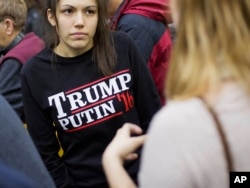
20 162
208 85
16 49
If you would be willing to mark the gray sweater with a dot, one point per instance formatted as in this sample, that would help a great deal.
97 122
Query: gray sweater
183 148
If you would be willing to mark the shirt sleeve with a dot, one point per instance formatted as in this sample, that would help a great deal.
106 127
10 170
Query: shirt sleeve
43 133
147 100
133 26
10 85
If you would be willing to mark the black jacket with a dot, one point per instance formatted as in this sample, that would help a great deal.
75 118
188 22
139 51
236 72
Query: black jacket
145 21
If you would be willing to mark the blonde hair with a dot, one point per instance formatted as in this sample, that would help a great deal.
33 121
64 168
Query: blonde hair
15 10
212 44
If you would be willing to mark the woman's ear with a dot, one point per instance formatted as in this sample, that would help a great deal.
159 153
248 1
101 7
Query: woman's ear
51 17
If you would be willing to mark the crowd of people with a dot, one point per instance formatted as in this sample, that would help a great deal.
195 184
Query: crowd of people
135 93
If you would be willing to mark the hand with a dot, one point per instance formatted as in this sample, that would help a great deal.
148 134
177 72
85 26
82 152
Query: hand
123 144
121 148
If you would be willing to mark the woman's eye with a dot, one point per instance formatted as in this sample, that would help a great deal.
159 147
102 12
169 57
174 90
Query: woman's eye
90 12
67 11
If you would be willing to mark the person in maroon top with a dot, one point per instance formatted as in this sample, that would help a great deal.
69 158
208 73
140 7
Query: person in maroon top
16 49
146 22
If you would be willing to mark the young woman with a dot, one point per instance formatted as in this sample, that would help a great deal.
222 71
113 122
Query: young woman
203 131
84 86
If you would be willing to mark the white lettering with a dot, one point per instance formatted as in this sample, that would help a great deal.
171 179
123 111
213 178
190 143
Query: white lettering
124 79
58 104
108 90
240 179
106 108
88 115
75 100
89 94
64 122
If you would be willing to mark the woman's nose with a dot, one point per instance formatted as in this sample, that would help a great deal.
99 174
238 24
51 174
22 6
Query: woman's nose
79 20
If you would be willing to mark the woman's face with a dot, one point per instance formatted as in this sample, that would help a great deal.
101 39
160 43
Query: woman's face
76 26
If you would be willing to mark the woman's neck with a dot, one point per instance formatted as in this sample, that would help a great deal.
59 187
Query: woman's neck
211 96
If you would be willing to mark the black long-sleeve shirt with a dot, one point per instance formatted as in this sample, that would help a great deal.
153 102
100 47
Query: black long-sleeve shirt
86 108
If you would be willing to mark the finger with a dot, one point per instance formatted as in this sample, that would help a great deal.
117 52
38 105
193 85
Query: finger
138 141
133 128
134 144
131 156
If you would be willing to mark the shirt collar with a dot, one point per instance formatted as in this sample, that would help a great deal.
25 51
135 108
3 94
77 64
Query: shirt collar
13 43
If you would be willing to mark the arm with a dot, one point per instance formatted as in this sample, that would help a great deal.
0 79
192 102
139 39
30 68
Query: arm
154 50
145 32
147 100
136 28
10 84
121 148
17 149
42 131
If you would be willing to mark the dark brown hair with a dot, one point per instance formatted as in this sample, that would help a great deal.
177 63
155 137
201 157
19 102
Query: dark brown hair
104 54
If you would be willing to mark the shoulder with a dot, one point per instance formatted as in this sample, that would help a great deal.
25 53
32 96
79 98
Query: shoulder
123 42
134 24
178 111
38 60
133 19
44 55
121 37
182 137
138 21
178 121
32 38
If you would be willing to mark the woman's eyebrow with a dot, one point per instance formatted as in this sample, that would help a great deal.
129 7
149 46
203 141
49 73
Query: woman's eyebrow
69 5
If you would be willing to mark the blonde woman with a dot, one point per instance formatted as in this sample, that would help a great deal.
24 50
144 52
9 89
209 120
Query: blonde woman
203 132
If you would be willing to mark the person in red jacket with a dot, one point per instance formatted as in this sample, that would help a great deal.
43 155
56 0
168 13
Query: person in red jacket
16 49
146 21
